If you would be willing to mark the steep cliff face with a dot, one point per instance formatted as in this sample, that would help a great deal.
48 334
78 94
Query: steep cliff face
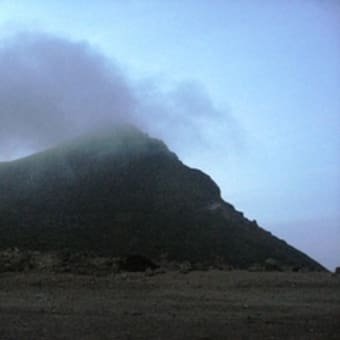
121 192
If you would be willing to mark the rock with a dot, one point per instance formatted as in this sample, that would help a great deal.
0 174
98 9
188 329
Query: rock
149 272
160 270
272 265
137 263
14 260
115 268
201 266
46 261
185 267
171 266
256 267
123 276
296 269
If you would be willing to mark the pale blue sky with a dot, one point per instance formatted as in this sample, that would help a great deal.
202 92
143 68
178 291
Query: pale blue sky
269 72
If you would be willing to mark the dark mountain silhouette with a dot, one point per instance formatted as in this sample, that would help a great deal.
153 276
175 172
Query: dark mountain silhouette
121 193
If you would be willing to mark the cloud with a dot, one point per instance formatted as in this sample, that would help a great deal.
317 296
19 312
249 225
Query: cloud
53 89
187 118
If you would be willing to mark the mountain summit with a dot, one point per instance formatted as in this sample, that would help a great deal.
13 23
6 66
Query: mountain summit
120 192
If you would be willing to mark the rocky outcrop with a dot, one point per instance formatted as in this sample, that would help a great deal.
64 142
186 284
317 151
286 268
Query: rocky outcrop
137 263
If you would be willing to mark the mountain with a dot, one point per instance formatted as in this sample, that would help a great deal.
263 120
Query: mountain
120 192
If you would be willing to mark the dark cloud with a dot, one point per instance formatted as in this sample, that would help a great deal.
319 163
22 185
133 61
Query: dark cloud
52 89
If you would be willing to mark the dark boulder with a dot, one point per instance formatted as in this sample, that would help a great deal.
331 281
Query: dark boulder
137 263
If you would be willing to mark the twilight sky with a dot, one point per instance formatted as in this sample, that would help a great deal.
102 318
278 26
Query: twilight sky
247 91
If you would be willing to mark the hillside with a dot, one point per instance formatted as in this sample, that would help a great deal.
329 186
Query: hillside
120 192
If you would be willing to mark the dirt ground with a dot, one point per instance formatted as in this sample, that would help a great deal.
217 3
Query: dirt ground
197 305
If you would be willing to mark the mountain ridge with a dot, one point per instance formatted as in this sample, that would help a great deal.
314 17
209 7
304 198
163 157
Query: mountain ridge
120 192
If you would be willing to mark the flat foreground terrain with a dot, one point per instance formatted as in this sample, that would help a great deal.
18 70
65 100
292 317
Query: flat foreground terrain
197 305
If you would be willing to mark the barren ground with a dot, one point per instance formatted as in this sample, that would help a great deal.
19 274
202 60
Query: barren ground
197 305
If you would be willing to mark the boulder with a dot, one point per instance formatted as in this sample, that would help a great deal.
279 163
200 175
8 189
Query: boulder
185 267
272 265
137 263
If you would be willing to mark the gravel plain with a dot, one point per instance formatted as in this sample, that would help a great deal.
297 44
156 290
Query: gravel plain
198 305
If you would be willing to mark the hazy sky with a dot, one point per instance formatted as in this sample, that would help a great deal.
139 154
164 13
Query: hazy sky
248 91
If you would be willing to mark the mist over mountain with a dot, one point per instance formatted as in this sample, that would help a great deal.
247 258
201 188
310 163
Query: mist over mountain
120 192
